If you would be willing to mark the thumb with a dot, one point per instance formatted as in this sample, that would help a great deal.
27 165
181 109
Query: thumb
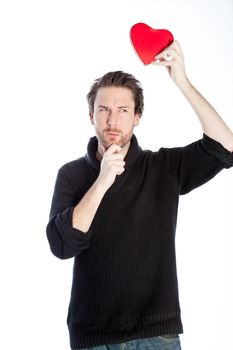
113 149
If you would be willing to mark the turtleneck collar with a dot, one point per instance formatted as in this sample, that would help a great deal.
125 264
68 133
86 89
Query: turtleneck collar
133 152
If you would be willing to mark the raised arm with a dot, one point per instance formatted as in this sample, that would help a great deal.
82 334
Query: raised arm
212 124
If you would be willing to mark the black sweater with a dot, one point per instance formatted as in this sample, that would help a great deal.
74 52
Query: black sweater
124 277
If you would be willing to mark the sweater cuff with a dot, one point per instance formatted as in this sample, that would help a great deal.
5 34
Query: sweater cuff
70 235
217 150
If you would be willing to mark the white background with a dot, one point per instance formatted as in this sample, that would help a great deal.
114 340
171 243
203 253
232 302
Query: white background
51 51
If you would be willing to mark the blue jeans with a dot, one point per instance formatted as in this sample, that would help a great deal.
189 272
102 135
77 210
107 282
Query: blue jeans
167 342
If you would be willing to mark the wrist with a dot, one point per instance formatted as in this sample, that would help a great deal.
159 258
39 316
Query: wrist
183 83
100 184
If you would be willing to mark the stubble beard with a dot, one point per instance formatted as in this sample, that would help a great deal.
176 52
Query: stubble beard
123 139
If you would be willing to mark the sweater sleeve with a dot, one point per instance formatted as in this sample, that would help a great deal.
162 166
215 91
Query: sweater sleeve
65 241
195 164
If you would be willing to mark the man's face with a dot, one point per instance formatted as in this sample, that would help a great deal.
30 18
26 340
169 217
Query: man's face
114 118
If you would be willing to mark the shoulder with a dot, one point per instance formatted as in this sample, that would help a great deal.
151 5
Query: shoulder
73 164
74 169
153 158
77 174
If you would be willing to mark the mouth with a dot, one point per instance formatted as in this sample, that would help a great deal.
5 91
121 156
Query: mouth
112 133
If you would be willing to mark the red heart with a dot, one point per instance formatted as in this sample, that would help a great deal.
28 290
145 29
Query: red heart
149 42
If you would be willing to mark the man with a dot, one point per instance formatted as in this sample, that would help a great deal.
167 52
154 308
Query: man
115 211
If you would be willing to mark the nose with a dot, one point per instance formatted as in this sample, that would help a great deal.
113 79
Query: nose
112 119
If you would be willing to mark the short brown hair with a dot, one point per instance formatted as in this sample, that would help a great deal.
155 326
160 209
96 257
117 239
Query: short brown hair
118 79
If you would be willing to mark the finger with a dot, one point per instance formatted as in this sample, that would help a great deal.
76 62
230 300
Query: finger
160 55
118 163
113 149
177 46
168 53
119 170
114 157
164 52
174 46
163 56
162 63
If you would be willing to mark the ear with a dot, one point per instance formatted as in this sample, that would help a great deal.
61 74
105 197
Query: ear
91 118
137 119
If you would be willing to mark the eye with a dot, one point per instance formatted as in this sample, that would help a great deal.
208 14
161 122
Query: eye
102 109
123 110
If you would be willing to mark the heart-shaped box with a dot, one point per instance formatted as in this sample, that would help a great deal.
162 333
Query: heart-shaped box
149 42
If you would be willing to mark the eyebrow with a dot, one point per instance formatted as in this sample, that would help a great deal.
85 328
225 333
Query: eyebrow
102 106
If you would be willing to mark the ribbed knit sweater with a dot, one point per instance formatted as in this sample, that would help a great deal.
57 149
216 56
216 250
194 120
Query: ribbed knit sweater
124 276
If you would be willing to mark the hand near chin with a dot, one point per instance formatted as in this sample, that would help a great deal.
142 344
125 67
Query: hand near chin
112 164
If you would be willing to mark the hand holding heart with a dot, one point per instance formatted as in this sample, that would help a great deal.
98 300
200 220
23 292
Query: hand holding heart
158 44
173 59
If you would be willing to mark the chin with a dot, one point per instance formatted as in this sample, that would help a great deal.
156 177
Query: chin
121 140
108 144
